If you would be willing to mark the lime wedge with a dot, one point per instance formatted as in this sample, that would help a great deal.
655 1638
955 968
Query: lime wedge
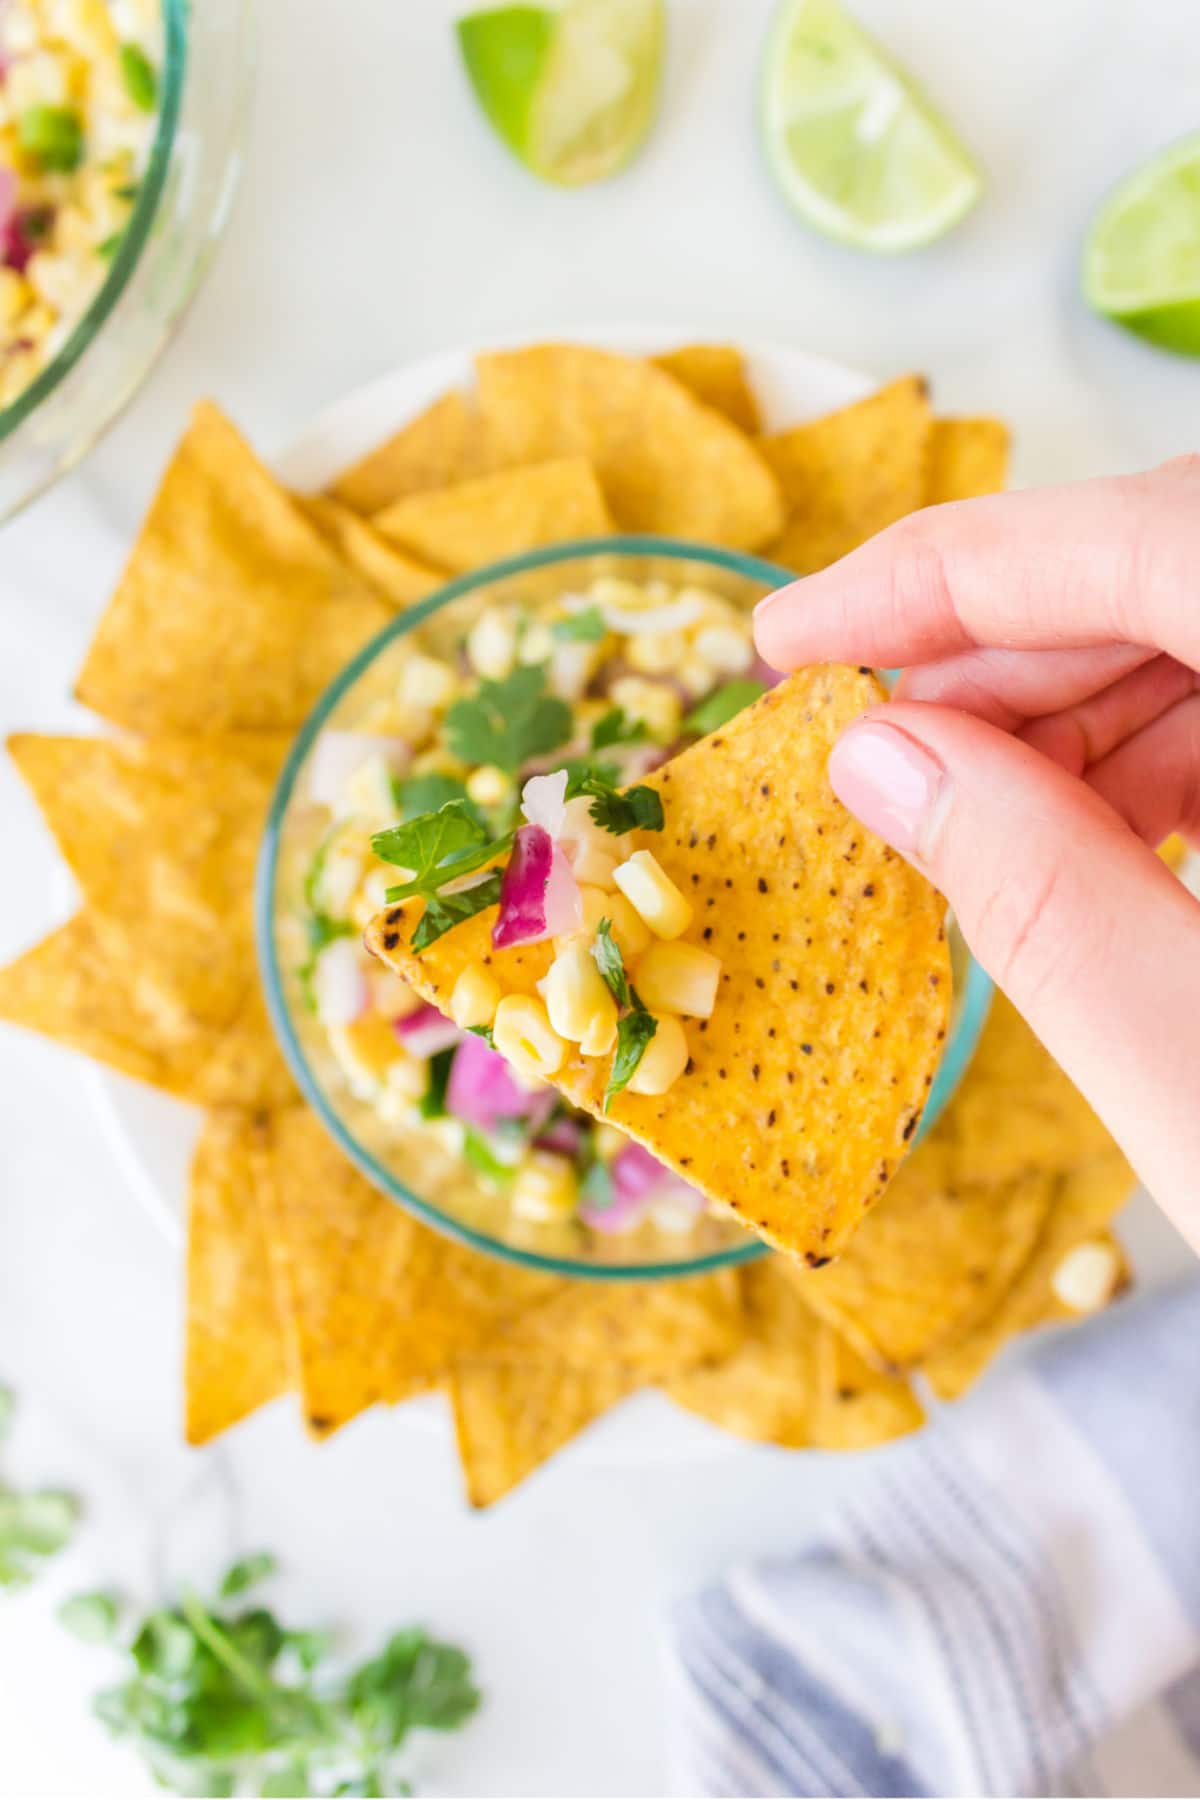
571 88
1141 262
854 145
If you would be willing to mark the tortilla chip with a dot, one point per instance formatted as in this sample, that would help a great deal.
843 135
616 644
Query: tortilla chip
234 1359
375 1305
716 375
967 457
431 451
805 1087
163 836
508 1421
935 1256
396 578
856 1406
846 476
665 462
766 1389
246 1066
651 1329
233 612
1086 1199
499 515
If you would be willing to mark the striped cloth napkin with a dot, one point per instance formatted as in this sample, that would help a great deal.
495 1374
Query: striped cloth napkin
1009 1605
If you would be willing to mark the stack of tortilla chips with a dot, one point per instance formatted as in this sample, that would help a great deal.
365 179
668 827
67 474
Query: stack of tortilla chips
239 604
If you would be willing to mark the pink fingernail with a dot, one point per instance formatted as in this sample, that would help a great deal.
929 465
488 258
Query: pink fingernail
887 780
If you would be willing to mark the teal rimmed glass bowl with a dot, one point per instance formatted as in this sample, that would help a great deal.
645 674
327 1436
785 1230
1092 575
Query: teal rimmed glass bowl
409 1162
183 205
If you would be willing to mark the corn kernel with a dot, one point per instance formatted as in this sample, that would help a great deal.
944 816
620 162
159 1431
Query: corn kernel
366 1050
608 1141
595 866
572 666
391 997
338 878
15 295
1086 1278
629 934
656 652
653 895
523 1034
488 785
655 704
612 590
725 649
427 681
679 978
438 762
475 998
536 643
367 794
577 998
545 1188
403 1087
695 676
492 645
663 1060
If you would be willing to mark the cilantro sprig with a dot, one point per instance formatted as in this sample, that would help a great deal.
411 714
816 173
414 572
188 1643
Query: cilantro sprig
587 626
34 1524
616 727
506 723
634 809
223 1698
723 704
435 849
636 1026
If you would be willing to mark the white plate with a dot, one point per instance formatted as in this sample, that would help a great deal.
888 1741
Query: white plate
152 1135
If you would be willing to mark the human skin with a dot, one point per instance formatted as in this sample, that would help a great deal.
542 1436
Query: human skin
1044 738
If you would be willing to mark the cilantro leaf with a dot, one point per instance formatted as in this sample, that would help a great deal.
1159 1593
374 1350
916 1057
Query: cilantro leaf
483 1159
485 1032
427 793
723 704
634 1033
444 911
430 841
92 1618
138 76
508 722
596 1188
432 1104
51 137
245 1572
634 809
580 768
584 627
611 964
616 727
33 1527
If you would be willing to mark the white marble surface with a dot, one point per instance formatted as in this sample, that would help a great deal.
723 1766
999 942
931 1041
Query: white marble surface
379 222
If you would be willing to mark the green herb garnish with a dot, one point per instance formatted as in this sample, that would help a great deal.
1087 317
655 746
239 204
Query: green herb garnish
444 911
34 1525
485 1032
616 727
52 136
438 848
321 929
634 1032
636 1026
723 704
222 1701
508 722
596 1188
584 627
107 248
432 1104
427 793
137 73
617 810
483 1159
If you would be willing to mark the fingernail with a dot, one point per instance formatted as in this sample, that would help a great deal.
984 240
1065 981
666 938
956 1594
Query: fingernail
770 599
887 780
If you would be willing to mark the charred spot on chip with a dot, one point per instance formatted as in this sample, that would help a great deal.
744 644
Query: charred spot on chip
869 891
814 1261
807 1049
390 939
762 885
911 1126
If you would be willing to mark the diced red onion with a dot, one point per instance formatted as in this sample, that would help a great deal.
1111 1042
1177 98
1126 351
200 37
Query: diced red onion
636 1173
482 1090
340 985
424 1032
539 896
762 671
8 198
543 800
639 1183
339 753
564 1135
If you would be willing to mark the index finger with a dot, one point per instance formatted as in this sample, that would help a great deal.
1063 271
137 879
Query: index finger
1052 568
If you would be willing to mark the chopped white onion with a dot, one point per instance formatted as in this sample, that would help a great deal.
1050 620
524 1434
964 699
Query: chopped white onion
543 800
677 615
337 756
340 983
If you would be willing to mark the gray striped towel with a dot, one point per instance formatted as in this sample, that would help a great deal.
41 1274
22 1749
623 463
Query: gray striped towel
1009 1604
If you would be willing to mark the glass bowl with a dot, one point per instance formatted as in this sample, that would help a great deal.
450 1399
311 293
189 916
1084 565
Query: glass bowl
180 213
406 1162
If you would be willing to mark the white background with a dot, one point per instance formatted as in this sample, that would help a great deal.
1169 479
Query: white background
377 222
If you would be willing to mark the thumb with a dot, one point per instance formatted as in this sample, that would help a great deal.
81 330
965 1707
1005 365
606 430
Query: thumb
1093 939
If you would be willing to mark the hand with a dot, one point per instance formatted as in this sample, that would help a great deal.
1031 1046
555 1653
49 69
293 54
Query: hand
1046 736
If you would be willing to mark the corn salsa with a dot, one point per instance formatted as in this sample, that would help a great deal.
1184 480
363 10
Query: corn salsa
504 770
78 99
